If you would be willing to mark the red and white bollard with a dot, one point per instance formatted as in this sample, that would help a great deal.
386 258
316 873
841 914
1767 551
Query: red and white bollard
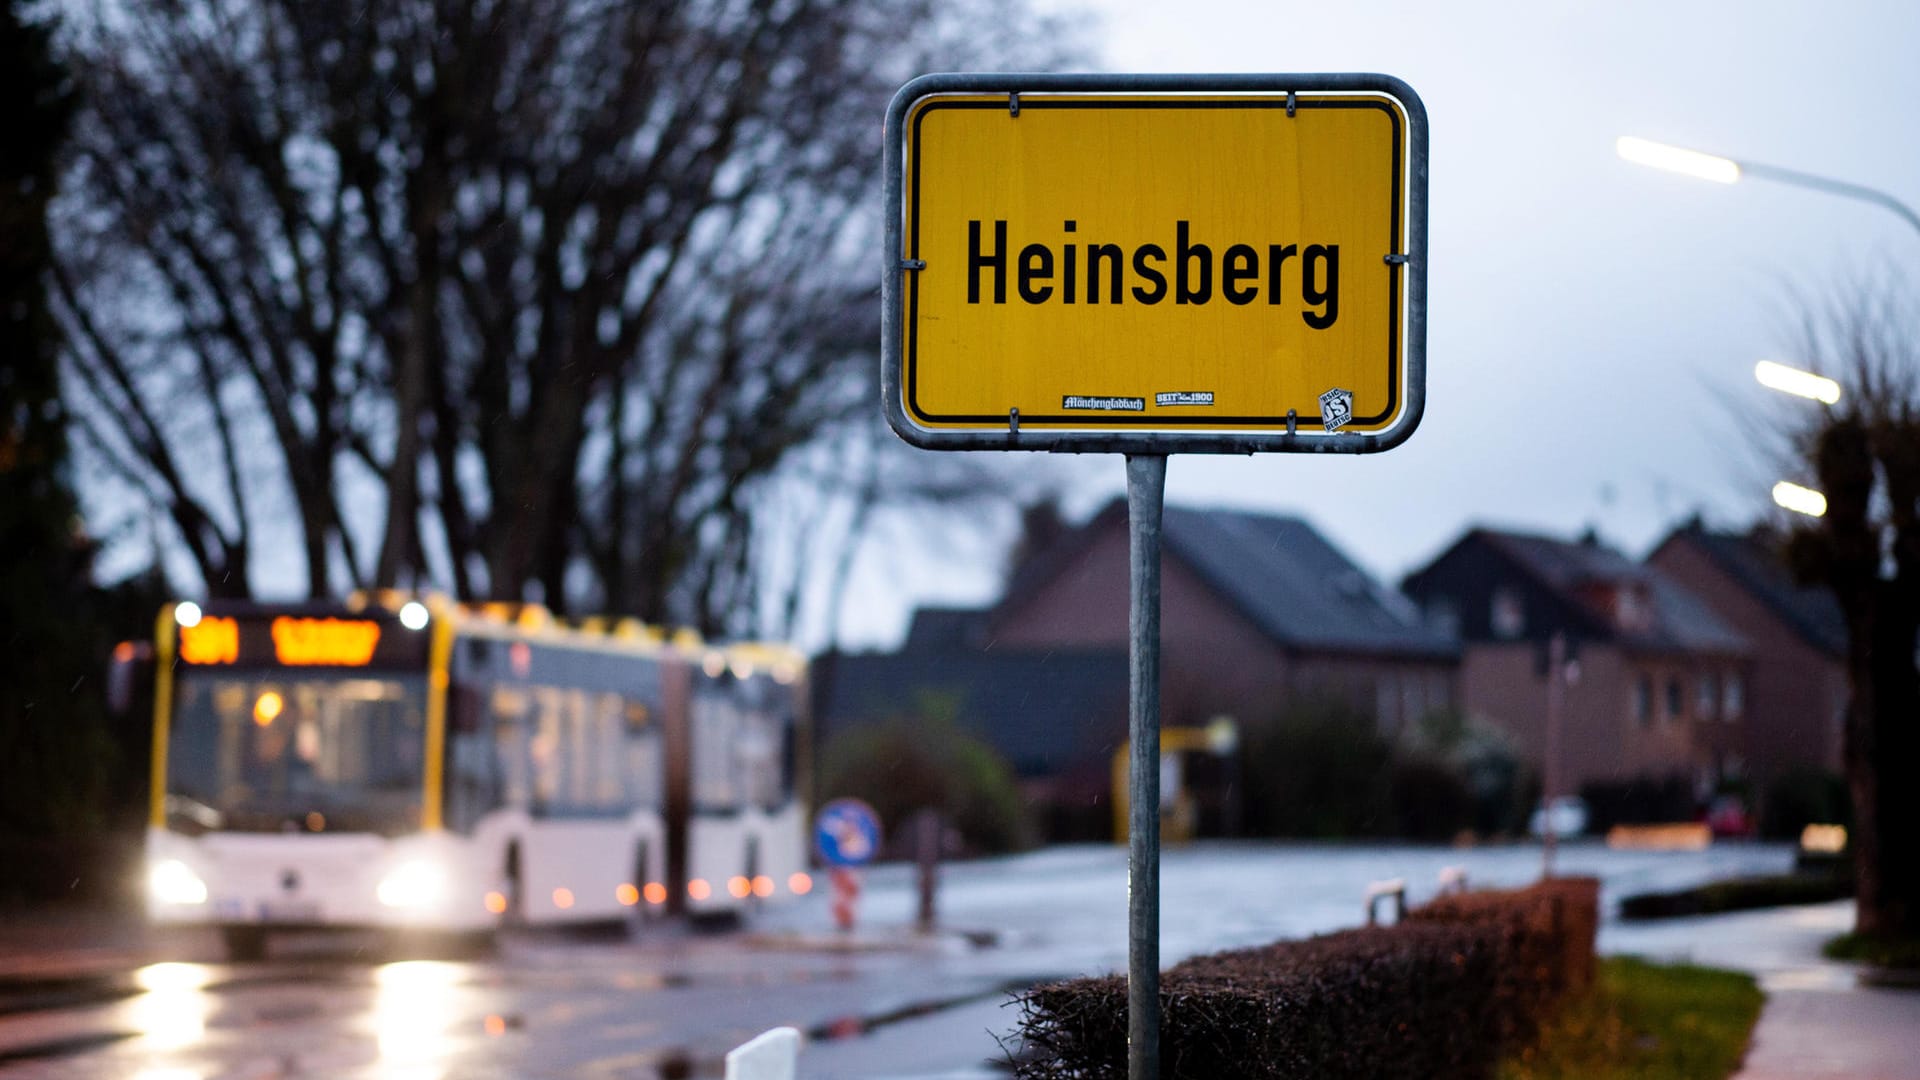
846 896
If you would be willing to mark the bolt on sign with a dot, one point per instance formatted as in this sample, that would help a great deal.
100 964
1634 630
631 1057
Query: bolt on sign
1155 264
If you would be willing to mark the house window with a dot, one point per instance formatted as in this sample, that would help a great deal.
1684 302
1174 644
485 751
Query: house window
1508 616
1733 698
1629 610
1707 698
1676 699
1643 701
1443 617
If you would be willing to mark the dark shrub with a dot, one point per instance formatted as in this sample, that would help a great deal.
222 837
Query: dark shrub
1318 770
1430 800
1740 894
901 766
1643 800
1804 797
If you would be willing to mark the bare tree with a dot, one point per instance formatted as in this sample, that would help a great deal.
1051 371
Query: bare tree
1864 455
564 282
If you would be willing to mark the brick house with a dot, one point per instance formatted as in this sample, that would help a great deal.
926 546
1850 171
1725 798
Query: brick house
1660 688
1797 693
1256 609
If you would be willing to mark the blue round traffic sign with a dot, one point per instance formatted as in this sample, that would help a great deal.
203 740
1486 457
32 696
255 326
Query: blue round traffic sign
846 832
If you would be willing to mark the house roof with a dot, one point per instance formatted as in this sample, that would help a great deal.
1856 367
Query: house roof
1756 566
1044 711
1278 572
1681 621
945 628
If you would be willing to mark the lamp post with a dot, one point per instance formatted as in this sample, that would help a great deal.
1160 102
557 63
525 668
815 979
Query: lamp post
1726 170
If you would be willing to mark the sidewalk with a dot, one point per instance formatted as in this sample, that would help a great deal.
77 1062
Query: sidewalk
1819 1023
1846 1033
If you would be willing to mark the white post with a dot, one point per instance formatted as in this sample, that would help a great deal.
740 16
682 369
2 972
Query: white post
771 1055
1550 768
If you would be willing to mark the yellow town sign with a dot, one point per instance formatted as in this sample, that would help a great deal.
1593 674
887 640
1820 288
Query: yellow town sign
1155 264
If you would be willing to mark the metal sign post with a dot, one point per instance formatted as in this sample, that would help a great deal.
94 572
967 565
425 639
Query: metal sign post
1550 780
1146 493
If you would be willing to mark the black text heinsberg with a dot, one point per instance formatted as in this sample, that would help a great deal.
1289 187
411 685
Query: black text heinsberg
1244 275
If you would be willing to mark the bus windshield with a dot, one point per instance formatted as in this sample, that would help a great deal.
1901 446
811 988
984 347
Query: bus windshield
277 751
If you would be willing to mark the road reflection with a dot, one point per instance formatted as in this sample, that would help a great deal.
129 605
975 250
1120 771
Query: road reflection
412 1012
172 1014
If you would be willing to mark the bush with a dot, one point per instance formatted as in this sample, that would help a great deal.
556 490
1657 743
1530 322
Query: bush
1545 933
1879 950
1430 800
1643 800
1740 894
1485 761
1440 996
1318 770
1804 797
900 766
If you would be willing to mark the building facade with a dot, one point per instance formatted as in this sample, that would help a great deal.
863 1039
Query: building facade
1657 684
1797 700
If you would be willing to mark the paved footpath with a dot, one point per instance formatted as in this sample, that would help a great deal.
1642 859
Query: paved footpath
1855 1033
1819 1023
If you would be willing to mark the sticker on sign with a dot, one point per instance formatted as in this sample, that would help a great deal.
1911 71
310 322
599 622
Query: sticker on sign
1263 237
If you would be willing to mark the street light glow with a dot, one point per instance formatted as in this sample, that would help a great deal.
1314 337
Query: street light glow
1677 159
1800 500
1794 381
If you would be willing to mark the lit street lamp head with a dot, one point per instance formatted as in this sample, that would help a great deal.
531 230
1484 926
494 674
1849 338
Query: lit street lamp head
1800 500
1804 384
1677 159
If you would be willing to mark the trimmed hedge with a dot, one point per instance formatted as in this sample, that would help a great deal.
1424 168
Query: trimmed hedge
1739 894
1440 996
1545 934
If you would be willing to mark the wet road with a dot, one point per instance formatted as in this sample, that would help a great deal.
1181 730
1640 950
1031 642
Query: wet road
666 1002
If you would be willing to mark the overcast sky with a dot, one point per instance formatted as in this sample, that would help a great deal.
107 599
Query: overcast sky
1593 325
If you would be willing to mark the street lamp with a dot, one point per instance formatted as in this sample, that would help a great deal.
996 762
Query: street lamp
1799 383
1800 500
1726 170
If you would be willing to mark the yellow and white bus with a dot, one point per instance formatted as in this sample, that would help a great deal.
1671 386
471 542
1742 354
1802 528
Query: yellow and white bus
413 764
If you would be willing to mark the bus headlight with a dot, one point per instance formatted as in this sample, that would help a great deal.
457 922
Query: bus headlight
412 885
173 882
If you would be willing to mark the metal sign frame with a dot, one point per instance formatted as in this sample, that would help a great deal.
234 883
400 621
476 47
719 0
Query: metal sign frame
898 264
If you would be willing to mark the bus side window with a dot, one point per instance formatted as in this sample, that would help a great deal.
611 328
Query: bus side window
608 712
474 781
789 758
545 749
640 754
716 763
760 756
509 709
